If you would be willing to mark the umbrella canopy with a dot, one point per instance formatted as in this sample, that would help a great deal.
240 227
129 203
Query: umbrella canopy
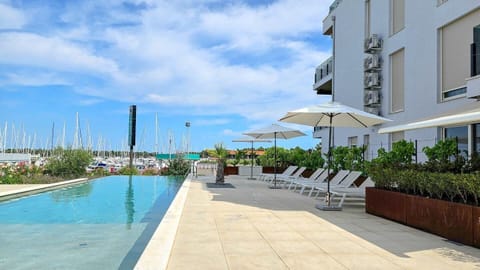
251 140
275 131
332 114
342 116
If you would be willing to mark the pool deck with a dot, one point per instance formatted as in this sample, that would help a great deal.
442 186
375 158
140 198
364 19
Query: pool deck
7 191
254 227
249 226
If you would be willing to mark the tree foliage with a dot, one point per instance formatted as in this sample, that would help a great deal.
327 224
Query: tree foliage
69 163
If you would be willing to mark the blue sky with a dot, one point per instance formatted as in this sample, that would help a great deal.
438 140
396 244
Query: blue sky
225 66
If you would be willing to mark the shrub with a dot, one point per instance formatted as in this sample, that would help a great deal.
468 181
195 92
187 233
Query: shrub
128 171
178 166
69 163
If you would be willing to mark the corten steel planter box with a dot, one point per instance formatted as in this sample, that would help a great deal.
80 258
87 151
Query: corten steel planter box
476 226
450 220
454 221
385 203
231 170
270 170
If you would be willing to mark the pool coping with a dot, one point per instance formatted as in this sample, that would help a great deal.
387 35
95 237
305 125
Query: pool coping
10 194
157 252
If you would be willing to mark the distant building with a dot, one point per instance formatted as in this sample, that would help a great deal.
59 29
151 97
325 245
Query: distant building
15 158
408 61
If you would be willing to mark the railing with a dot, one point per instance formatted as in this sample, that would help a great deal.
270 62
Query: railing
334 5
324 69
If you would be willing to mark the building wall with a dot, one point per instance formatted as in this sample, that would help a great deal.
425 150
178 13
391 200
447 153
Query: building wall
420 40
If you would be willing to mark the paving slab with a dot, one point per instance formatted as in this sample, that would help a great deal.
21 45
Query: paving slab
253 227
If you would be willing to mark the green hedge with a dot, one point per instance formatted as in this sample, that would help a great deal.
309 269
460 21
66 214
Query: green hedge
463 188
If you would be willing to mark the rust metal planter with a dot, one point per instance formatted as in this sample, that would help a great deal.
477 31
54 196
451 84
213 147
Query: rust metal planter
387 204
476 226
450 220
454 221
231 170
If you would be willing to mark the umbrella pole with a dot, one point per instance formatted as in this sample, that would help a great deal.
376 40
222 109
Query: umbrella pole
275 160
251 166
327 198
329 207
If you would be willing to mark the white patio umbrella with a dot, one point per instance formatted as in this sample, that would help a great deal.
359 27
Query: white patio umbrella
332 114
275 131
250 140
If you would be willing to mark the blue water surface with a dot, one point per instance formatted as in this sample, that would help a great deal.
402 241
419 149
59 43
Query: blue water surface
100 224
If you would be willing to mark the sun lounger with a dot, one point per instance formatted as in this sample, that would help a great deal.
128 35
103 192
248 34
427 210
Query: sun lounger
334 181
345 183
352 191
312 178
295 175
288 171
321 177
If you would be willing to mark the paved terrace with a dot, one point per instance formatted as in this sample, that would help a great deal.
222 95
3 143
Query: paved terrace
253 227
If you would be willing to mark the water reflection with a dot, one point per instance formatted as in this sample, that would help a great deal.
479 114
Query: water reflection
71 194
129 203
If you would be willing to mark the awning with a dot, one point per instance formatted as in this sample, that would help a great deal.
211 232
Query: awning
464 118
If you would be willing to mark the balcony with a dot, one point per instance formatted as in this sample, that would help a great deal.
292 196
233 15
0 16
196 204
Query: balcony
323 78
473 87
328 21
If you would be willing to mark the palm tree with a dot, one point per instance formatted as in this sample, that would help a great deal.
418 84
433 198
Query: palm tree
221 155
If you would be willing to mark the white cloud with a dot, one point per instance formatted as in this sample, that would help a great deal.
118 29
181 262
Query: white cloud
36 79
178 57
11 18
211 122
33 50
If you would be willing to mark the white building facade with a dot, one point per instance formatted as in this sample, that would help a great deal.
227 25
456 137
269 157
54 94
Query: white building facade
406 60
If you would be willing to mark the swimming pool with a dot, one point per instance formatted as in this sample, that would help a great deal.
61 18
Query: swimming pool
101 224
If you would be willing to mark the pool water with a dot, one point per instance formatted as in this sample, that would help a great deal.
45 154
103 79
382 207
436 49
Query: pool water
101 224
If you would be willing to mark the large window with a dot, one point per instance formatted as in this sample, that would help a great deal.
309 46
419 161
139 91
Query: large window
396 136
352 141
366 143
476 138
456 39
397 20
461 135
397 91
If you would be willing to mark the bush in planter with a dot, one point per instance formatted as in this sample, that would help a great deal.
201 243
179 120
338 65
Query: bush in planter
463 188
444 157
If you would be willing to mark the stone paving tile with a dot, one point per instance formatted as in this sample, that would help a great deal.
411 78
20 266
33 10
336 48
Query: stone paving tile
255 262
253 227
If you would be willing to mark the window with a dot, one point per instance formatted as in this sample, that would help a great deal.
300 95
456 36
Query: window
352 141
456 41
460 134
366 143
475 52
397 90
397 136
476 138
397 18
367 18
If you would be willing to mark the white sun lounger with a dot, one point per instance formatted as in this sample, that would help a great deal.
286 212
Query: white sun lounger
312 178
288 171
295 175
322 176
345 183
352 191
334 181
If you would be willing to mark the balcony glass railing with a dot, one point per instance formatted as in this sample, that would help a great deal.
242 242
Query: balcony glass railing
324 69
334 5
